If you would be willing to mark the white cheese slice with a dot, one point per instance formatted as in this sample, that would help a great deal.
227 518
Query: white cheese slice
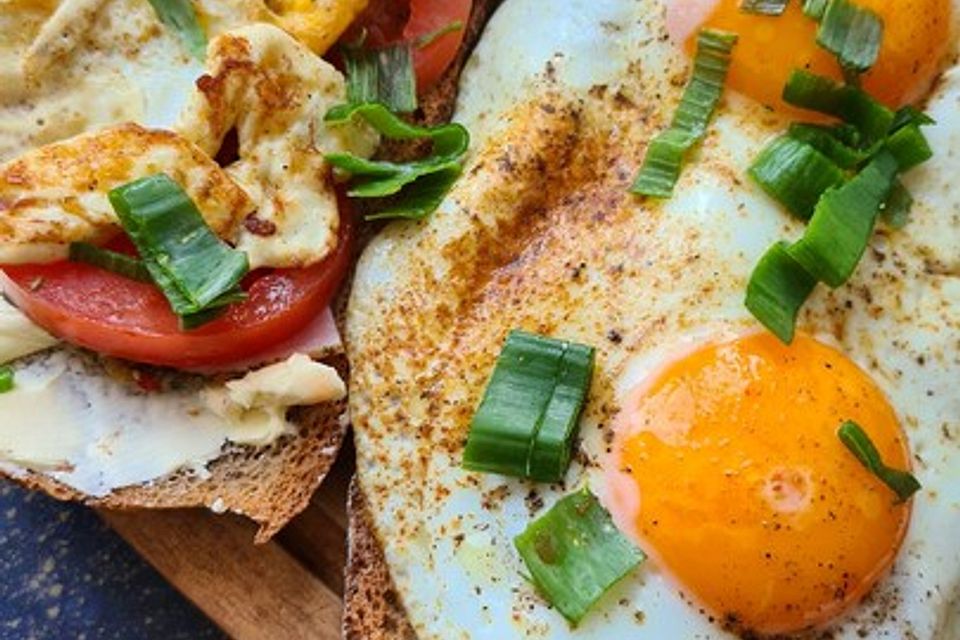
258 402
18 336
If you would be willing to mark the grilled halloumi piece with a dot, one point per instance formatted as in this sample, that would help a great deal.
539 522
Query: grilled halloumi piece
262 83
274 93
57 194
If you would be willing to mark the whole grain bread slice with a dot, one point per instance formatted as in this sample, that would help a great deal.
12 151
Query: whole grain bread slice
270 485
372 608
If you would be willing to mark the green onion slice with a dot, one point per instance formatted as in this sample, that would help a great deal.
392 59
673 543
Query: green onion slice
795 174
909 146
6 379
903 483
419 185
815 8
764 7
118 263
429 38
505 425
843 222
852 33
525 424
662 164
194 269
382 75
911 115
897 208
553 444
180 17
422 197
777 290
830 141
664 158
575 554
850 104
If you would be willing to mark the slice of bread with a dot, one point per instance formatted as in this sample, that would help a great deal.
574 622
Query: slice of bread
269 485
372 608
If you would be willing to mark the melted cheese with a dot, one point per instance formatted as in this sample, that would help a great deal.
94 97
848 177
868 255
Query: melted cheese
18 336
69 419
258 402
262 83
74 66
274 92
57 194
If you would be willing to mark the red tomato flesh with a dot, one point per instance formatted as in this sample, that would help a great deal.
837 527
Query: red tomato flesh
390 21
115 316
427 17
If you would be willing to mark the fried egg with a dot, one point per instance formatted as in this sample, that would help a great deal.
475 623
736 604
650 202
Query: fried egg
713 445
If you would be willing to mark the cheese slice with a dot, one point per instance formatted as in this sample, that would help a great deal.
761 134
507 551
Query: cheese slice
18 335
258 402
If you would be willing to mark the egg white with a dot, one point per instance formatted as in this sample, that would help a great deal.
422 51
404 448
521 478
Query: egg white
683 268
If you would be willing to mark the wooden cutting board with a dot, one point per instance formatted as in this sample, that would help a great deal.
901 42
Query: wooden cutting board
291 587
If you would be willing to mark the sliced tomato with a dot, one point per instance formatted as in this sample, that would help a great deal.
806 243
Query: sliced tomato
390 21
122 318
427 17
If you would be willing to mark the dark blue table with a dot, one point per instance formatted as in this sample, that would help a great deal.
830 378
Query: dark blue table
66 575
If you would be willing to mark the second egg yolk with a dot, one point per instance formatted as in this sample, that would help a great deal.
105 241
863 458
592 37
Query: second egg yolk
915 41
728 470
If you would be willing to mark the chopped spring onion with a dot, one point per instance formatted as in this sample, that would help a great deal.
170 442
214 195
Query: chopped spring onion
505 424
852 33
764 7
843 222
575 554
897 208
525 423
553 444
830 141
6 379
382 75
850 104
911 115
118 263
903 483
662 164
429 38
778 288
795 174
419 186
421 198
195 270
815 8
664 158
909 146
180 17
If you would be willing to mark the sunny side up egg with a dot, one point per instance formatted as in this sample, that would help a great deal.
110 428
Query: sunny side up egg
755 516
790 529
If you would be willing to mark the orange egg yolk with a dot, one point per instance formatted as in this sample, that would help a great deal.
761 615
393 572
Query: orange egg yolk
729 471
915 41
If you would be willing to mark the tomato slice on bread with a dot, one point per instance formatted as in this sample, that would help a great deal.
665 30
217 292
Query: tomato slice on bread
122 318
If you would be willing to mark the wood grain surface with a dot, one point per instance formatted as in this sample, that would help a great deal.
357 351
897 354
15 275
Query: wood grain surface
289 588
